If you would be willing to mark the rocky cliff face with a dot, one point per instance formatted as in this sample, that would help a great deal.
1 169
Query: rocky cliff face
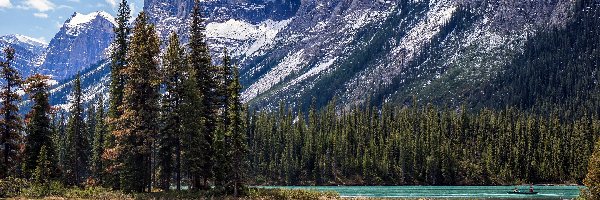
29 52
81 42
352 50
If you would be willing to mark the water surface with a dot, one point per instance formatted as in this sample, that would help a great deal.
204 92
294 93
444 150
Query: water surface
476 192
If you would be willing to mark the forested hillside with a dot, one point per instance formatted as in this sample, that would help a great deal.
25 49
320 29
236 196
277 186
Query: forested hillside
173 119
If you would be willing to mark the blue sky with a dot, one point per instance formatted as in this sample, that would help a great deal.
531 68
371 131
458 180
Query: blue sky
42 19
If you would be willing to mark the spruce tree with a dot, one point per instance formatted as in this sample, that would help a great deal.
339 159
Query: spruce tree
222 139
189 150
44 166
137 127
173 71
100 134
11 124
592 180
39 130
199 59
77 141
117 84
236 131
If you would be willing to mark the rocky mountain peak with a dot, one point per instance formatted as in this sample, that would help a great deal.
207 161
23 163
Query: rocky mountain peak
81 42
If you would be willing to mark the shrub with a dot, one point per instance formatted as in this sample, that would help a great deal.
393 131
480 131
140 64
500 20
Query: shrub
11 187
260 193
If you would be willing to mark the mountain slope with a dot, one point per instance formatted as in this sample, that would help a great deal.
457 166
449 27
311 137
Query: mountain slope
439 51
81 42
29 52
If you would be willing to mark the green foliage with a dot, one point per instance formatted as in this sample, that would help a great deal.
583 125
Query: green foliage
43 171
11 124
138 126
11 187
417 146
592 179
117 85
39 129
204 72
77 145
260 193
98 165
174 74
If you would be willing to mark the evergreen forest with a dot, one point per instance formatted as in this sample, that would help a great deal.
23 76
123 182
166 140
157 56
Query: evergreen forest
175 121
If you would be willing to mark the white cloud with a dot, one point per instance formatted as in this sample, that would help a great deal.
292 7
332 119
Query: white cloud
112 3
40 15
5 4
74 1
40 5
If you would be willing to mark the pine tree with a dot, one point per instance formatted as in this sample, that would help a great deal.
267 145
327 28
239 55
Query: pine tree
60 143
100 135
592 180
222 142
137 127
44 166
238 147
39 130
188 152
173 70
90 124
199 59
11 124
117 84
77 140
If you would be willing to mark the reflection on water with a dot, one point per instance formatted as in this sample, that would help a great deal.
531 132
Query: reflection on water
489 192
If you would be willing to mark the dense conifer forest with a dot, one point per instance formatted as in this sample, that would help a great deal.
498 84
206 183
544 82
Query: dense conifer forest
175 121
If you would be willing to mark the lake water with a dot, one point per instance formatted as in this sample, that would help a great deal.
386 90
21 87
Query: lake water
477 192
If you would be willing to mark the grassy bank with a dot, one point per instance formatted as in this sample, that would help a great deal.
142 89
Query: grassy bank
21 189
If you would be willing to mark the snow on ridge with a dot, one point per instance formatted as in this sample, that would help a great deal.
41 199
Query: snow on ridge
30 40
260 35
291 63
14 38
79 19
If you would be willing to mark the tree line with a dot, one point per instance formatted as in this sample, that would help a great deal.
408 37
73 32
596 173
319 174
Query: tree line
172 119
417 145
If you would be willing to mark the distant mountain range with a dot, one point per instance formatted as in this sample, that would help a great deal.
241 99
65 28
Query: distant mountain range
296 50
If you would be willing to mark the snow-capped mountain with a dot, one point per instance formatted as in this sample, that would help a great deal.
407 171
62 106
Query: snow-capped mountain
82 41
292 51
29 52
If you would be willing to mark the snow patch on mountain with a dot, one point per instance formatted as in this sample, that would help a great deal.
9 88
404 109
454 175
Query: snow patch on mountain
254 37
291 63
16 38
79 21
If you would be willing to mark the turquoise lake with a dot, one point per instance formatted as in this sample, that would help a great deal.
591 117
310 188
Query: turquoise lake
475 192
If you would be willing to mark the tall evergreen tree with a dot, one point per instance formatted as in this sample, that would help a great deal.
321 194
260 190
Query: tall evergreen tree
137 127
11 124
60 143
222 140
44 167
100 135
238 146
77 141
190 148
39 132
117 84
174 74
199 59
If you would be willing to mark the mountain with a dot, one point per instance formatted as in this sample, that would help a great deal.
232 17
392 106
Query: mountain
438 51
29 52
82 41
